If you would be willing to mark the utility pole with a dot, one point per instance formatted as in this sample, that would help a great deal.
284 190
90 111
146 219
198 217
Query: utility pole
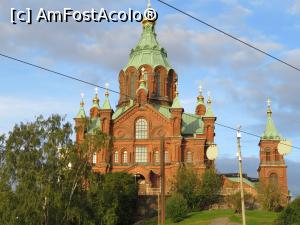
239 155
162 182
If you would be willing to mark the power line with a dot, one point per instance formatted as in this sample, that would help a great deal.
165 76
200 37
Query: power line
111 90
58 73
231 36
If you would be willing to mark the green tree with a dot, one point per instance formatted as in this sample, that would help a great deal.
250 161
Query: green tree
211 184
177 207
290 215
119 198
269 196
199 191
188 183
44 175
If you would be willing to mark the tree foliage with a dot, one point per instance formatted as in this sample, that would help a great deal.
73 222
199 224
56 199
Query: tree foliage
291 214
47 179
269 196
177 207
199 191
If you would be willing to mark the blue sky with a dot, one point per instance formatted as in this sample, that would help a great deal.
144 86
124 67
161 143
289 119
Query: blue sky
239 78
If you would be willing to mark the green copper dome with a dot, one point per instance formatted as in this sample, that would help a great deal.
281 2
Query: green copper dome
148 51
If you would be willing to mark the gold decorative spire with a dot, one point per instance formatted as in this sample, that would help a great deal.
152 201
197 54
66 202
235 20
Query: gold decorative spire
96 99
209 98
82 101
106 89
209 111
269 110
200 97
81 114
149 4
142 80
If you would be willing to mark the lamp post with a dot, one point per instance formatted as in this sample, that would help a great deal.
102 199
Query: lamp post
239 155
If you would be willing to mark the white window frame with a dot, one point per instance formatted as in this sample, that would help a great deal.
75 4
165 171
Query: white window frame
141 154
141 129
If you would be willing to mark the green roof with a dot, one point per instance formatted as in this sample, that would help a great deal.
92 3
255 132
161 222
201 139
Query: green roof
271 132
81 113
164 110
106 103
176 103
94 124
148 51
120 110
191 124
246 181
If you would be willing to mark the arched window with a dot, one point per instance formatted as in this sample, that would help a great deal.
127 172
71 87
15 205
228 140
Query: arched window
116 157
125 157
273 178
268 154
170 85
132 85
156 157
94 158
141 129
166 156
189 157
157 83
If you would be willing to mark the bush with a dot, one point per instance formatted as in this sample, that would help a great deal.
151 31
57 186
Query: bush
177 207
290 215
234 201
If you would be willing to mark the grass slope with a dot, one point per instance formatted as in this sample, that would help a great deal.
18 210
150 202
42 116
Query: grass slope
205 217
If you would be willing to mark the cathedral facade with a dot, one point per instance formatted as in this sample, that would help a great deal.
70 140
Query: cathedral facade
149 109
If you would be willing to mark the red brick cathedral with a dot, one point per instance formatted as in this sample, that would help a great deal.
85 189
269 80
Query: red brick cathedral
148 109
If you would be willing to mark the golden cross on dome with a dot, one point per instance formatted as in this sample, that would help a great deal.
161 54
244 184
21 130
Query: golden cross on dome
96 90
149 4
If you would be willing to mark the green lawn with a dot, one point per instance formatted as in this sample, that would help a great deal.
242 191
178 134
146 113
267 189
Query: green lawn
205 217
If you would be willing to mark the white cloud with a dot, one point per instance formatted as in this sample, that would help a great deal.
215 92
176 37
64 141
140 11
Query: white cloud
295 7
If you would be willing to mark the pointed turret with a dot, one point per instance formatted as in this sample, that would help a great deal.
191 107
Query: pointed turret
80 121
209 111
271 132
200 108
81 114
106 103
94 111
176 103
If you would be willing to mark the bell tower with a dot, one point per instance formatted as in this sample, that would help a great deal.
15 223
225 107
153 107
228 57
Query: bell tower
272 167
148 62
